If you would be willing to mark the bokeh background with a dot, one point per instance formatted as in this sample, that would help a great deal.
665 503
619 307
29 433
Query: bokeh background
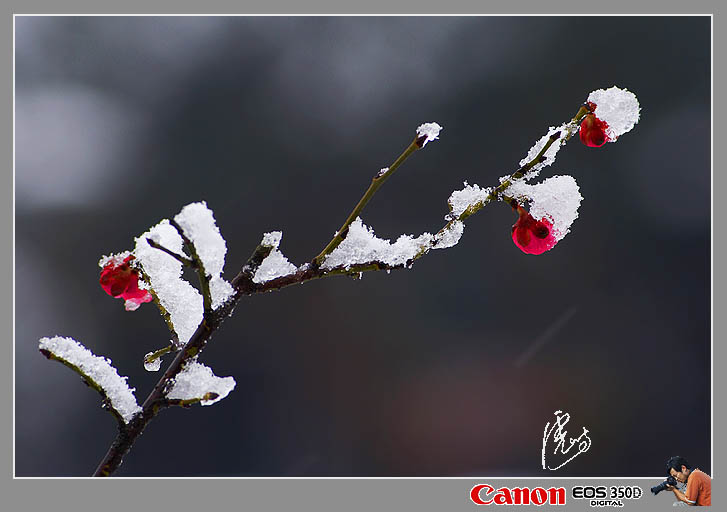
452 368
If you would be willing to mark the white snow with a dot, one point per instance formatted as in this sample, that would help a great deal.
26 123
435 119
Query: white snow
132 304
362 246
549 154
195 380
272 239
275 264
619 108
428 130
181 300
556 198
450 236
198 223
98 369
116 259
470 195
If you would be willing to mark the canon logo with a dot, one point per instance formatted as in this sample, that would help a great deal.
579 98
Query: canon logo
484 494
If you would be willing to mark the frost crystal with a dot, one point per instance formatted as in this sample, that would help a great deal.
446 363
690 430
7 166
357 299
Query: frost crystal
179 298
619 108
198 223
362 246
450 236
470 195
99 370
428 130
549 155
195 380
275 264
556 199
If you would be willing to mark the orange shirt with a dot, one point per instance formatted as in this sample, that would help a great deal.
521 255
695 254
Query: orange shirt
699 488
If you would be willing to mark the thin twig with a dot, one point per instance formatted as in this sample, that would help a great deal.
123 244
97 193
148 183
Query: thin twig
184 261
153 356
376 182
107 404
191 401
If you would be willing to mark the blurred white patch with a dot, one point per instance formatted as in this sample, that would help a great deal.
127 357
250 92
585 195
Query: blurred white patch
70 144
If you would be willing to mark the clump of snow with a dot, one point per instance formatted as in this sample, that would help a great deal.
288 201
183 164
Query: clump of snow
152 366
116 259
195 380
220 291
272 239
549 155
99 370
619 108
362 246
275 264
198 223
470 195
383 171
449 237
556 198
428 130
131 304
181 300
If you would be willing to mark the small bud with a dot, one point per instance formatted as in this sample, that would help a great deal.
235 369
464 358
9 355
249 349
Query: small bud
532 236
593 131
120 280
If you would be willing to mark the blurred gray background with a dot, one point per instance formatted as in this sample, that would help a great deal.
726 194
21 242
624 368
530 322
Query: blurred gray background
451 368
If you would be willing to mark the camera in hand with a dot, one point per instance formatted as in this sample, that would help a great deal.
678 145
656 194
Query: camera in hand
662 486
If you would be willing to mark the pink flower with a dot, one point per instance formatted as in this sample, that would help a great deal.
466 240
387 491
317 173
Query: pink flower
120 280
532 236
593 130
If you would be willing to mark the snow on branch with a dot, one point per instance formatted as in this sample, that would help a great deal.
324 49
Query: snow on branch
449 236
275 263
97 372
560 134
469 197
427 132
362 246
180 299
197 382
198 223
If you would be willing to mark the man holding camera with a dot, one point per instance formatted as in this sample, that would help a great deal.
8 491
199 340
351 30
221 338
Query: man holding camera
699 485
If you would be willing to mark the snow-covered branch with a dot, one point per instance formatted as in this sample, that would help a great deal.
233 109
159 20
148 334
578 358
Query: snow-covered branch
153 271
97 372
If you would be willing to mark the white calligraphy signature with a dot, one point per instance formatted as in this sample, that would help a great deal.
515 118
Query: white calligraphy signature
558 434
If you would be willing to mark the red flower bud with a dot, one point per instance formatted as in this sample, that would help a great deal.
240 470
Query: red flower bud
593 131
120 280
532 236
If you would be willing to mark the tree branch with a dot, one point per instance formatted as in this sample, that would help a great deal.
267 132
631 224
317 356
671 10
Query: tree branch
107 405
244 286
